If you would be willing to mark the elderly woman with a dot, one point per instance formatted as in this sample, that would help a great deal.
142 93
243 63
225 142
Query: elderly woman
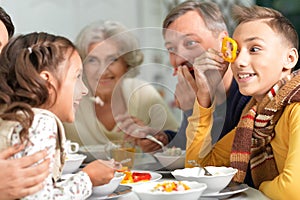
111 58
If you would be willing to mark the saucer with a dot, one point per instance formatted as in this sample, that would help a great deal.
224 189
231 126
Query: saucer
227 192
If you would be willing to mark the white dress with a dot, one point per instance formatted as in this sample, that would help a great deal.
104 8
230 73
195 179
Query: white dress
47 132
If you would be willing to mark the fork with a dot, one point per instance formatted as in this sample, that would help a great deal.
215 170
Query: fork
194 163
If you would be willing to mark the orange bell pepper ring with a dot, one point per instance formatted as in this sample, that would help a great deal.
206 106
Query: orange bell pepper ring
229 49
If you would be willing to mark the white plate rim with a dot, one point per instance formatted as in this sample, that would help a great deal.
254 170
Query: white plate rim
112 197
221 194
154 177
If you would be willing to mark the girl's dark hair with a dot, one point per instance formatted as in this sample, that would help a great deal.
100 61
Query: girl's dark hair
21 86
5 18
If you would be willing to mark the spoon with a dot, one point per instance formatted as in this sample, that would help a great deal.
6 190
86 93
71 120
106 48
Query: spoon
118 165
194 163
152 138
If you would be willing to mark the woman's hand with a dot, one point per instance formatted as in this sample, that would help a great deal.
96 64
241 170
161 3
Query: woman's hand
18 178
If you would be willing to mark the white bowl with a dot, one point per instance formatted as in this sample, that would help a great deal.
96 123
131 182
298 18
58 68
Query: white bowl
93 152
171 162
221 176
108 188
144 191
72 163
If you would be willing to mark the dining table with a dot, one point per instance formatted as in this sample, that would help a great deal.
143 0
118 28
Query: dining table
147 162
250 193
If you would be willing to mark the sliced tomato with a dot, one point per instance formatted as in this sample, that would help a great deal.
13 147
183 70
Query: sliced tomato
141 176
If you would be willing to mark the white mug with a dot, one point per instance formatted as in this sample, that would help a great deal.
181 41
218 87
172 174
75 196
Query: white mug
71 147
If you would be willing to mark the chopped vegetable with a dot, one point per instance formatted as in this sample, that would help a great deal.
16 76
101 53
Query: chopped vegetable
170 186
133 177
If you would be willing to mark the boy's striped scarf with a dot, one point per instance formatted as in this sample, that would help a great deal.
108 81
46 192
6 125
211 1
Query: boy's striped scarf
256 130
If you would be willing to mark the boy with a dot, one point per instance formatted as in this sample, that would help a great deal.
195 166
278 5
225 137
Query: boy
265 144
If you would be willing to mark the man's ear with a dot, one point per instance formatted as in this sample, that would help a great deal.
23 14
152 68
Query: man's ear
223 34
291 59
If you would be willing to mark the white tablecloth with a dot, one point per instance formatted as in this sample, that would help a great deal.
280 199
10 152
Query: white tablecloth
251 193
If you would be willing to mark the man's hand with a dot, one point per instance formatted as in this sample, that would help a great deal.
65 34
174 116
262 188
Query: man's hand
186 89
135 130
150 146
209 69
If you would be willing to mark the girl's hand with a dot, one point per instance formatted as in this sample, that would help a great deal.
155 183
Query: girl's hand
100 172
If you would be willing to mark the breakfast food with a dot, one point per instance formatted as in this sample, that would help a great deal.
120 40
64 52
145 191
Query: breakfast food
170 186
133 177
173 151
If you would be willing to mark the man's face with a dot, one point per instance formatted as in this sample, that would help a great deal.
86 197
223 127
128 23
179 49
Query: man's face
3 35
187 38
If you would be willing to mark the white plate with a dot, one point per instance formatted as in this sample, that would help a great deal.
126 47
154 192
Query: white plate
227 192
154 177
122 190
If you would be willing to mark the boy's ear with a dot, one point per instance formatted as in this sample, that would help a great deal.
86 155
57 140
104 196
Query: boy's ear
292 59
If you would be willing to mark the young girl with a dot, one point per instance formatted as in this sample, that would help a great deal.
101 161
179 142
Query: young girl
38 76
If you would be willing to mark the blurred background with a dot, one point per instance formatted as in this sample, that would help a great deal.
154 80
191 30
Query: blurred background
143 17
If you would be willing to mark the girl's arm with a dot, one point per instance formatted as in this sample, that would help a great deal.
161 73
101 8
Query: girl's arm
43 135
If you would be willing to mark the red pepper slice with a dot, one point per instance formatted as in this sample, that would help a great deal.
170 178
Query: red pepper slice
141 176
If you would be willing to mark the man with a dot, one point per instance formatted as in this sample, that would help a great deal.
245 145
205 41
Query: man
18 177
193 32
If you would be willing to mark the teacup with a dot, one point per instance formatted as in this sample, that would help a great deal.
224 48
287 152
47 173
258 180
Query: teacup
71 147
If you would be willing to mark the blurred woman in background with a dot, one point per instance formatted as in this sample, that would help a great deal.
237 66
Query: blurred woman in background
111 58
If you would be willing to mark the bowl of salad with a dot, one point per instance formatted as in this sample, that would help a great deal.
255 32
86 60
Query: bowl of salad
170 190
173 158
